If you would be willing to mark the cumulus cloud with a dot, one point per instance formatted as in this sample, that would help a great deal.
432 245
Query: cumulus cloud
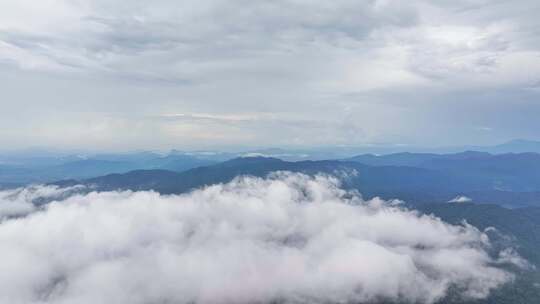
510 256
22 201
289 237
460 199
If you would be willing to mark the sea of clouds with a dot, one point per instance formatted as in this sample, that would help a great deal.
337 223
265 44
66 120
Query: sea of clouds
286 238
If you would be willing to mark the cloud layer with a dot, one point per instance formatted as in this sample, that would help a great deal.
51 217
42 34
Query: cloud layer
25 200
301 72
287 238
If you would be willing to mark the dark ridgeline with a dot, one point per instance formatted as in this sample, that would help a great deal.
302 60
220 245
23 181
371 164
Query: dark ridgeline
511 180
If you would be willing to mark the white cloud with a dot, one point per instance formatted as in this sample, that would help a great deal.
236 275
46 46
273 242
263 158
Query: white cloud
288 237
460 199
510 256
22 201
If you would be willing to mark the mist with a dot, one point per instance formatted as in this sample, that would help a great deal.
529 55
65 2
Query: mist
287 237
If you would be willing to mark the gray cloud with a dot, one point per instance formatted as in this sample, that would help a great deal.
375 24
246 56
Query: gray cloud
330 62
287 238
167 39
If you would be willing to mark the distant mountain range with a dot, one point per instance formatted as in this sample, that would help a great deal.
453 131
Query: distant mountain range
322 153
509 179
37 156
514 146
24 170
503 172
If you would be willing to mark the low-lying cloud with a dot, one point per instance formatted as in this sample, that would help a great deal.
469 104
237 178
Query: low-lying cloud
289 238
25 200
460 199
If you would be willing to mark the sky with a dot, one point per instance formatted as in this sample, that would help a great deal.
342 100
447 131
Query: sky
121 75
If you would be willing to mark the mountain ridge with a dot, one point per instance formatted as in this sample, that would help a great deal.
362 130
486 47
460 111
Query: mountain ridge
414 184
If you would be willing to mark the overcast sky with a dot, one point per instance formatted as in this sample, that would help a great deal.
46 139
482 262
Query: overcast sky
134 74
